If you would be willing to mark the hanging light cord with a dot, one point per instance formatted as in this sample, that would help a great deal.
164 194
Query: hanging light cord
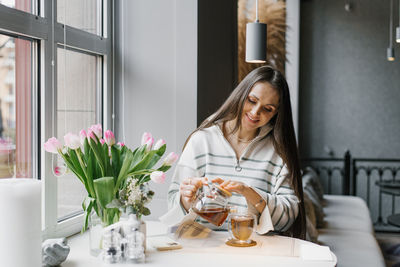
113 69
256 10
391 23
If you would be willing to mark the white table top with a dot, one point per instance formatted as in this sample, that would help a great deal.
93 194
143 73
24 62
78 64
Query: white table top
212 251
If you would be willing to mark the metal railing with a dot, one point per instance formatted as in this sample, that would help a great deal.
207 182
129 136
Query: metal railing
361 177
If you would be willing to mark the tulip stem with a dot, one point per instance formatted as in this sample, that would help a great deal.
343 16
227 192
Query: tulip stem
89 181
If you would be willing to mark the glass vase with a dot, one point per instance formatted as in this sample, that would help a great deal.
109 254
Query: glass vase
95 234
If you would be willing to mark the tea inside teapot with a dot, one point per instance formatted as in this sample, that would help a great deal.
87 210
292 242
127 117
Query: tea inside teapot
211 204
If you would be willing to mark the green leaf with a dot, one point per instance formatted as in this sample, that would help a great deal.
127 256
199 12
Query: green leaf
87 206
96 148
161 150
115 161
86 149
76 156
104 189
153 161
71 167
138 155
107 161
144 179
145 211
90 166
144 162
88 201
97 169
164 168
77 165
124 170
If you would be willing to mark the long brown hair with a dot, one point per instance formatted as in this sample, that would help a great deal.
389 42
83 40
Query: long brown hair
283 135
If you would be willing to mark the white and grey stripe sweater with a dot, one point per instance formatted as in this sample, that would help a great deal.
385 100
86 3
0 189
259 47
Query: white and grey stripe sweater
209 154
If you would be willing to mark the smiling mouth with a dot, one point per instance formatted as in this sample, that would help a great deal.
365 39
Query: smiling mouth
251 120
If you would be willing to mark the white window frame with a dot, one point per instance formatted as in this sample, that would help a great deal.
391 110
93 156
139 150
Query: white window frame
39 27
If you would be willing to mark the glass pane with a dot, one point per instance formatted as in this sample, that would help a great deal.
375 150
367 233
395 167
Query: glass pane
82 14
23 5
77 89
15 107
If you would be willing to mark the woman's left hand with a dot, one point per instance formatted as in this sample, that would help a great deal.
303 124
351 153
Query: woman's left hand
231 186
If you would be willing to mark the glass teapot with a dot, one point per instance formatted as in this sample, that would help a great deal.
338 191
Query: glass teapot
211 203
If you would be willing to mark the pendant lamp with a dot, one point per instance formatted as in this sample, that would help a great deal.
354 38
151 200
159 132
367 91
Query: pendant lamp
398 28
256 41
390 49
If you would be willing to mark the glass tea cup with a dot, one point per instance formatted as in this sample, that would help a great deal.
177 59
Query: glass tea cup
241 225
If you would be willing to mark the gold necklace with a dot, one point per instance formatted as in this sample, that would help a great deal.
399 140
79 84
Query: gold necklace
244 141
230 136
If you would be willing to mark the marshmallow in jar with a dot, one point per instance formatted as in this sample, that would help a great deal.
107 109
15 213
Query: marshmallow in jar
20 222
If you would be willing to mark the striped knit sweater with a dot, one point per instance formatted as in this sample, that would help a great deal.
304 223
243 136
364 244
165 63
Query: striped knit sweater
209 154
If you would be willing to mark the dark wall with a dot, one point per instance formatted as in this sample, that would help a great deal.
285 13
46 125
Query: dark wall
349 92
217 53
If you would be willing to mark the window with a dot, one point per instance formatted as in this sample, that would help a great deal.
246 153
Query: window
23 5
17 64
84 15
54 78
77 94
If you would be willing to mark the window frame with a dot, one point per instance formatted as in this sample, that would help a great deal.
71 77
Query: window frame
46 36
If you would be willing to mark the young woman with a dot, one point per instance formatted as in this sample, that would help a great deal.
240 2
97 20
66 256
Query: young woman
248 146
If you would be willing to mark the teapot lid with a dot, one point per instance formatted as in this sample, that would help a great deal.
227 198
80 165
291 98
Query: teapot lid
223 190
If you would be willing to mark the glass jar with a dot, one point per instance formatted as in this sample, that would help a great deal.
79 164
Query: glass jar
211 203
111 247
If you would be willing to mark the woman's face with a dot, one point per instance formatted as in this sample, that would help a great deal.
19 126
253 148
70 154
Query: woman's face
260 106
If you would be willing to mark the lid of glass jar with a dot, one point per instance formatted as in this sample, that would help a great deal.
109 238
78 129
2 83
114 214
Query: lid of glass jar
223 190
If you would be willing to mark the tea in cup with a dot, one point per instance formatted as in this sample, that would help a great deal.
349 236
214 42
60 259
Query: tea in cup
241 226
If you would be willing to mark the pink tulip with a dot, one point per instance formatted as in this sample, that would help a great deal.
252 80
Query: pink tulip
145 137
102 141
157 177
82 136
170 159
149 144
60 171
121 144
98 131
52 145
159 144
72 141
109 137
57 171
91 136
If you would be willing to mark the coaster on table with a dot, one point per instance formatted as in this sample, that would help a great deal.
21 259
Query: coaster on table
238 243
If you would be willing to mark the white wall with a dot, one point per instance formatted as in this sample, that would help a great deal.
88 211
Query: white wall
293 56
156 76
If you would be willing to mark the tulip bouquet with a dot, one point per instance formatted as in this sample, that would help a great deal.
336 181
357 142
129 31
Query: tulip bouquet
114 176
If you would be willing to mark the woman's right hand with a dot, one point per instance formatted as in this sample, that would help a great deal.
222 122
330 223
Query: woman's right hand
188 189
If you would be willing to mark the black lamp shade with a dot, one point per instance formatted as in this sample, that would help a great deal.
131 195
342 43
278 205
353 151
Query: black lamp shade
390 54
256 42
398 34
